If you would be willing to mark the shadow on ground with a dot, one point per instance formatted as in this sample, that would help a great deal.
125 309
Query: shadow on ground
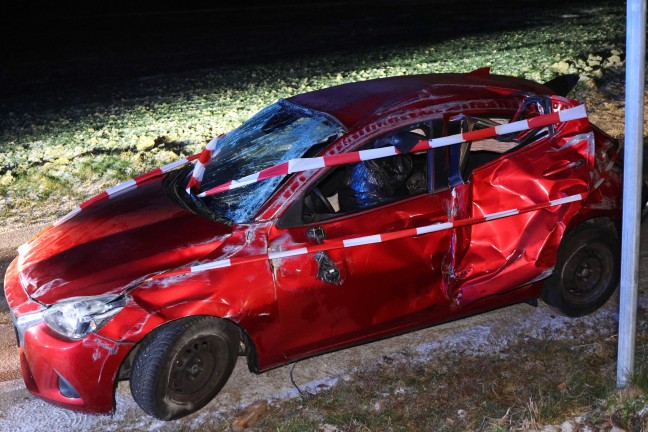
6 256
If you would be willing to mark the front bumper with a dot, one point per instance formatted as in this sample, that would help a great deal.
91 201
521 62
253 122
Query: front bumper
79 375
53 368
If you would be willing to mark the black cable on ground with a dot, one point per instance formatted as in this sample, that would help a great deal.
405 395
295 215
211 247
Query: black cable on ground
292 380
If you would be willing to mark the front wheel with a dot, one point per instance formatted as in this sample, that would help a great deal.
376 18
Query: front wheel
183 365
586 272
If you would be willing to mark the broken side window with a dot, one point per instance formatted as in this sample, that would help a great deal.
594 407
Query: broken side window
474 154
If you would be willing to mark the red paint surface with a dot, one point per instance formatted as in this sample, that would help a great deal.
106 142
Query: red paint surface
113 243
359 103
89 365
288 313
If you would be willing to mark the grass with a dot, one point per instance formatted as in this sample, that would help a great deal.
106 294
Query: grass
536 382
64 152
527 386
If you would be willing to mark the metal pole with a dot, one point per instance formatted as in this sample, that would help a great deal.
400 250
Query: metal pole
633 153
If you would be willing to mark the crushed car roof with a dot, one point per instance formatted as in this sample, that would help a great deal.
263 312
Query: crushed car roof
355 104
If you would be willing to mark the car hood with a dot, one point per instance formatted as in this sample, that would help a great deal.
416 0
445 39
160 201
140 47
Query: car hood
111 245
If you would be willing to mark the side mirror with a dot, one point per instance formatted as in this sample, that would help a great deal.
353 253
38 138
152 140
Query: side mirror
327 270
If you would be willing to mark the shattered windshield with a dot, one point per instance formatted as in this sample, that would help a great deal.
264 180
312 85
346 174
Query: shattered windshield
277 133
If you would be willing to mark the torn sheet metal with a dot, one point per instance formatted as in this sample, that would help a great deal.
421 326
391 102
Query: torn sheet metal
505 254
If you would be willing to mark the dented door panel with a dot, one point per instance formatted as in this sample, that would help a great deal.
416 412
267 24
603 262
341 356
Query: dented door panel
497 256
382 283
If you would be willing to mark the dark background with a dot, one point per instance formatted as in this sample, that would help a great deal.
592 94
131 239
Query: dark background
71 46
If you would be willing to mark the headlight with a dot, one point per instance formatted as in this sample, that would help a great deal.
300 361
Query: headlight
77 317
23 322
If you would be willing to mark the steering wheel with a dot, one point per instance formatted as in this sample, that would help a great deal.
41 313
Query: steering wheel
320 196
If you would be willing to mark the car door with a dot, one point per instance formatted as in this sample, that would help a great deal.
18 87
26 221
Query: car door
383 285
499 255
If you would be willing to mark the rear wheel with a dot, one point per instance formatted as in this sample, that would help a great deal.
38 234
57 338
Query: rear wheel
183 365
586 272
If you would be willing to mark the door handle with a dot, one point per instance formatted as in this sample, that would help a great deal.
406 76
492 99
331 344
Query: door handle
316 233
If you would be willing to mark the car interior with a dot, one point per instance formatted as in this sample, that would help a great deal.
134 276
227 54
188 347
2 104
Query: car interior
356 187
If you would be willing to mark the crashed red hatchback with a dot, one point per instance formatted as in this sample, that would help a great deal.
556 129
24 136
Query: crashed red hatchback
329 219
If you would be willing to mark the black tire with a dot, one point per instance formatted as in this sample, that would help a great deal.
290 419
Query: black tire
586 272
183 365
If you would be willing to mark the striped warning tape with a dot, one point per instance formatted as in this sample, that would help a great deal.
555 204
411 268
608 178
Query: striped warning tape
125 186
199 167
365 240
306 164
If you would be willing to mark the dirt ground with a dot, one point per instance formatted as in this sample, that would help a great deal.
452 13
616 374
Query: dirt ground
485 333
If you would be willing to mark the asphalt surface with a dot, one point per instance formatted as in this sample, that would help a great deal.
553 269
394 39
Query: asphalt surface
487 333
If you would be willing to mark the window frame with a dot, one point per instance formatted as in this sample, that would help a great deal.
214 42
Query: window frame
293 216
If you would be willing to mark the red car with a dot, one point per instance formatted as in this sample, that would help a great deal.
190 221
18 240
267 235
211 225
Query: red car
329 219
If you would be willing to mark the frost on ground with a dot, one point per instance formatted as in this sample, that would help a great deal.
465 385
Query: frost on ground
65 152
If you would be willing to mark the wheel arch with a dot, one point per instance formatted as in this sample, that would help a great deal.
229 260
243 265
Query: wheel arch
246 344
602 231
604 222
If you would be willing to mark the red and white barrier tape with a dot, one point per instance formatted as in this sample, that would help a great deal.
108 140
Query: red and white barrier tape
125 186
365 240
201 163
306 164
